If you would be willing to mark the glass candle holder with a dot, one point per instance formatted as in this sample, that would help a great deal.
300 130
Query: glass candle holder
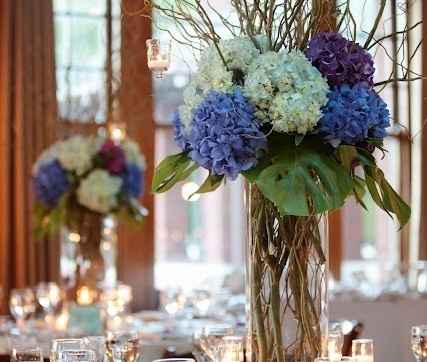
363 350
231 349
335 343
158 56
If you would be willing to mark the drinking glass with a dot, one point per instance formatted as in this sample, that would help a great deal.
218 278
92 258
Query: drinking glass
125 344
335 342
231 349
175 360
126 352
26 354
22 304
362 350
62 345
419 342
49 296
96 344
80 355
212 339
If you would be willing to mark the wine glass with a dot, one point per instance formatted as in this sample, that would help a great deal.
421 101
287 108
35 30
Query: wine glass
335 342
419 342
127 346
213 337
96 344
26 354
49 296
22 304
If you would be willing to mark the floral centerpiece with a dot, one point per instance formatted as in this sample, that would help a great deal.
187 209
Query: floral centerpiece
80 181
297 113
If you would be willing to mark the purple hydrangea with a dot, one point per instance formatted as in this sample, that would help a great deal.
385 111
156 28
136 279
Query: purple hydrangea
225 136
133 181
50 183
113 157
354 114
339 60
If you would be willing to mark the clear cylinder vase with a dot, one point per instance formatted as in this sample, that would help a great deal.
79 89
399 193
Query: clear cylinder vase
287 277
88 261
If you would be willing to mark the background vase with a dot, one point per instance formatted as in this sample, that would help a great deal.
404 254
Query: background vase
287 275
89 257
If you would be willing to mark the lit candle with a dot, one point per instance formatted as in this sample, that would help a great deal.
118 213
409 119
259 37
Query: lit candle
363 350
231 349
117 132
61 321
85 295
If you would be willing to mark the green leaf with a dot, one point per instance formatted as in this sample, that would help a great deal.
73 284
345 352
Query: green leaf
359 190
211 183
171 170
305 179
347 155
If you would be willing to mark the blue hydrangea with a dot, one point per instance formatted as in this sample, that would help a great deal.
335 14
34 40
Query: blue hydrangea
133 181
181 139
225 136
354 114
50 183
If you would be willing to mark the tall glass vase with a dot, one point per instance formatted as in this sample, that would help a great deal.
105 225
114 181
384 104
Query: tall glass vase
287 269
88 257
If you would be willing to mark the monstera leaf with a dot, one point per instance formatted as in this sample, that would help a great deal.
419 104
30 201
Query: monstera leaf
171 170
304 180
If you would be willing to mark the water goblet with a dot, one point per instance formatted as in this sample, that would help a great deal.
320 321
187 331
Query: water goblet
96 344
49 296
419 342
26 354
22 304
121 339
213 337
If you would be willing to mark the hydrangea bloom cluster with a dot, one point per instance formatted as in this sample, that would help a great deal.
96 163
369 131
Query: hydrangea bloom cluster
354 114
225 138
104 175
340 60
287 91
213 75
51 182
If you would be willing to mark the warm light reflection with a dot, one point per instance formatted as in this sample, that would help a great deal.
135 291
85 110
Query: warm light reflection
86 295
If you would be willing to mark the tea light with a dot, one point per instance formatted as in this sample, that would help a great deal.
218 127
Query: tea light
231 349
61 321
85 296
158 56
117 131
363 350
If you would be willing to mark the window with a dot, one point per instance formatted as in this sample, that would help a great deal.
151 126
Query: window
87 36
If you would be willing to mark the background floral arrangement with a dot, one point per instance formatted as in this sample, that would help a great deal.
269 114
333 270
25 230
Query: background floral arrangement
87 174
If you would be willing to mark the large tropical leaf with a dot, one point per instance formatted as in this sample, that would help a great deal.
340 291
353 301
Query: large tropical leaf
305 179
171 170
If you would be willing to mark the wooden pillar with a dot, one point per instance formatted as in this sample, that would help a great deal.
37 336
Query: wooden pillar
136 247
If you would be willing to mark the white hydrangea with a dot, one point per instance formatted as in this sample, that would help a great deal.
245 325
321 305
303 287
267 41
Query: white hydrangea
213 75
133 153
99 190
287 91
76 153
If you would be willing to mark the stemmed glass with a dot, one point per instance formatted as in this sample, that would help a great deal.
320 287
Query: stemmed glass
96 344
49 296
22 304
122 346
335 342
362 350
419 342
212 339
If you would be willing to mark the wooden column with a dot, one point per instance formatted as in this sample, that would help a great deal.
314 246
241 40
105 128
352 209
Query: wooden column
136 249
